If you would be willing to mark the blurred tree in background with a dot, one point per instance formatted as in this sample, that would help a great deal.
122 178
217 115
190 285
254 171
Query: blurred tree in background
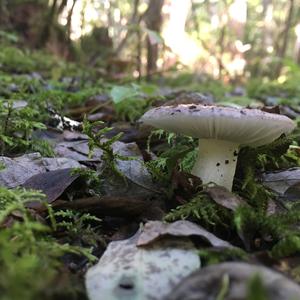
230 40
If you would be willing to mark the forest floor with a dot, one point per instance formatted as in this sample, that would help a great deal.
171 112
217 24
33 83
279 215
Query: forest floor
81 180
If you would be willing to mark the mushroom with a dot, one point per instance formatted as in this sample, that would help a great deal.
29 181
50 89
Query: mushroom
221 132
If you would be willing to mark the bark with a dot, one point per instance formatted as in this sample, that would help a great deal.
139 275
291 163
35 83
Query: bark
135 19
62 6
268 17
139 55
4 15
297 44
46 29
69 20
286 32
153 19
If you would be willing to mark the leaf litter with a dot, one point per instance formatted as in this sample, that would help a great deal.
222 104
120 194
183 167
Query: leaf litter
153 263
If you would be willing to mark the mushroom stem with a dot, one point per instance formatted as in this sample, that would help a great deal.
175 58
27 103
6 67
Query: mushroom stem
216 162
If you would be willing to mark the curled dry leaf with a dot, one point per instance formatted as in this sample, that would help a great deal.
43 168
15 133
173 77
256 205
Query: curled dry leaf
126 271
207 283
154 230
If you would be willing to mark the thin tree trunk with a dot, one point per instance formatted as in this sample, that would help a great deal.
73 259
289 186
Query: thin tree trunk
268 18
282 50
4 15
45 32
69 20
133 20
153 19
139 54
297 44
62 6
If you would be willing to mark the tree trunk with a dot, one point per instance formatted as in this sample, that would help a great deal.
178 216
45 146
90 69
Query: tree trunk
153 19
135 19
62 6
268 20
4 15
46 29
139 55
282 50
69 20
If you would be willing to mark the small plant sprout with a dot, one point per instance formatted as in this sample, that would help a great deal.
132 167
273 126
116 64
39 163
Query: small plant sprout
222 131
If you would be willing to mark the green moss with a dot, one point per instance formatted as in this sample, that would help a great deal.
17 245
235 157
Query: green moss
30 257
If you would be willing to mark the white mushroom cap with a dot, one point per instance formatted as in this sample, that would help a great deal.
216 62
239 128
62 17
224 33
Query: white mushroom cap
251 127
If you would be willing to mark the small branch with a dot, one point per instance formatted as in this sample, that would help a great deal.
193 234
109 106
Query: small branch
107 205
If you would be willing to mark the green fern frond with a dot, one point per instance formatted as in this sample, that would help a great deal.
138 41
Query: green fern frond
287 246
202 209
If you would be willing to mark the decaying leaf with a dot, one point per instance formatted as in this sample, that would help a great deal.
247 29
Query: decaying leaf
139 179
17 170
281 182
225 198
206 284
52 183
77 150
154 230
126 271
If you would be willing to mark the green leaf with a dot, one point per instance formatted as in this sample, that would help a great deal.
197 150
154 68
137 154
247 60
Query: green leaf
120 93
154 37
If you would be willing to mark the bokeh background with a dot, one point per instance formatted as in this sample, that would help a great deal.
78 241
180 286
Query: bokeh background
229 40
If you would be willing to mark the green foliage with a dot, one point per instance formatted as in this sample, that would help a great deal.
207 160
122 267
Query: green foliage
264 158
256 289
132 101
211 256
16 128
254 220
287 246
60 99
42 146
11 200
287 90
76 224
90 177
27 247
224 289
251 221
98 140
202 209
180 150
202 84
13 59
8 37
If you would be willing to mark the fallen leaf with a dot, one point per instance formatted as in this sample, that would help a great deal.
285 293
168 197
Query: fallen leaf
17 104
139 178
154 230
225 198
52 183
206 283
281 182
77 150
126 271
19 169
